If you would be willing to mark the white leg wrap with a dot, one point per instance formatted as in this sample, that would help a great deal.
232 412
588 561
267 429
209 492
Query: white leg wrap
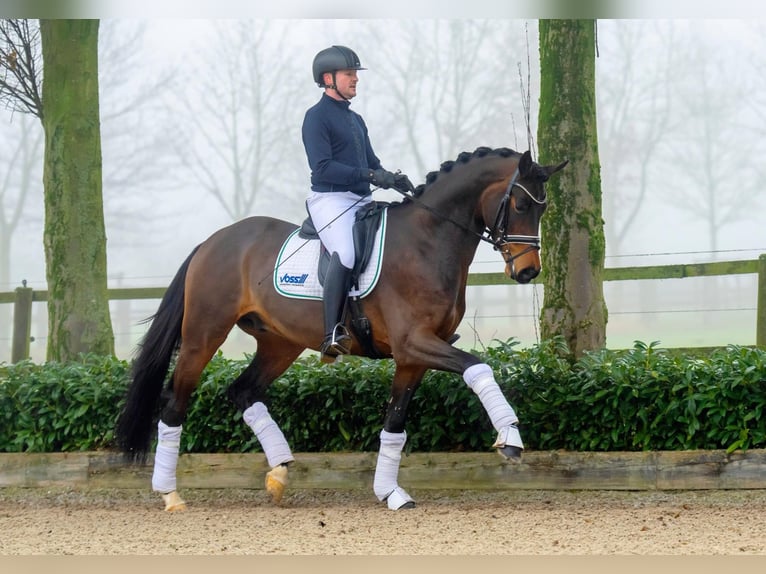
481 380
166 458
385 483
270 436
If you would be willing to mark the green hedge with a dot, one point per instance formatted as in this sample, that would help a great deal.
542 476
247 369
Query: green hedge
644 398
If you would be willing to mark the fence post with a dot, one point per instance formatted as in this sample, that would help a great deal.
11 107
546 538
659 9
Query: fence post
760 313
22 323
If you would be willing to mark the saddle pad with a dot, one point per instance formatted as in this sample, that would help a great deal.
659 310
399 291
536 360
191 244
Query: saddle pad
295 272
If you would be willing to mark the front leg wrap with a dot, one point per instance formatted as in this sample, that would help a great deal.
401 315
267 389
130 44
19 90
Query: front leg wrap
274 446
385 484
480 379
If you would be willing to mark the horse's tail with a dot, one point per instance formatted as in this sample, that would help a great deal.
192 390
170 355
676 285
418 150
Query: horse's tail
150 368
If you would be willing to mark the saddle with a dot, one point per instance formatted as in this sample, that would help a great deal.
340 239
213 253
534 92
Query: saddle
365 227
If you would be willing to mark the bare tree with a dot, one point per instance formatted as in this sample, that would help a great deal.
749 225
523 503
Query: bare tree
635 110
20 156
20 66
133 128
453 84
715 183
233 141
21 150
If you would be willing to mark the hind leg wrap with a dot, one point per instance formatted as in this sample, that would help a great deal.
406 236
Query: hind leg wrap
166 458
270 436
385 483
481 380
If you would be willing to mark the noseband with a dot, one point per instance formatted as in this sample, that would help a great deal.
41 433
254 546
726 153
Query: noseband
498 236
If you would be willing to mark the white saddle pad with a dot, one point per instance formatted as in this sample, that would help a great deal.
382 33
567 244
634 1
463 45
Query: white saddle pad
295 272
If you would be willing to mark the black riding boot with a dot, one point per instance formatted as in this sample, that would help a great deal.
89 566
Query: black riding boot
337 282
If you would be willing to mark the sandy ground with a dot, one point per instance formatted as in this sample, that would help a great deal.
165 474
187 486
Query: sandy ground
328 523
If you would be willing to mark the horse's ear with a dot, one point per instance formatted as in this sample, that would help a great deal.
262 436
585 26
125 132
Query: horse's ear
551 169
525 163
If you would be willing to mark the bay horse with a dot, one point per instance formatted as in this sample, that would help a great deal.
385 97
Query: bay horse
431 237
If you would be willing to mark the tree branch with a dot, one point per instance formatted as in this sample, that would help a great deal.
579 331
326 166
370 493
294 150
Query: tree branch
20 67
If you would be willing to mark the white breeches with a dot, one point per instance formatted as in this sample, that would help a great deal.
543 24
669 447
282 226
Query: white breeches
333 214
270 436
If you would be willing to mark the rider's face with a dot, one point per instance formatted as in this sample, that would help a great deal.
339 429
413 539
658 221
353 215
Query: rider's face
345 82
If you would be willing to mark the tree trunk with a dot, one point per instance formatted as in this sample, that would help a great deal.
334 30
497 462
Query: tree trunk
74 237
572 229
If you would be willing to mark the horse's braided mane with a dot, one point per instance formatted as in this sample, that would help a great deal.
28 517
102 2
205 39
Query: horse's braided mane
463 157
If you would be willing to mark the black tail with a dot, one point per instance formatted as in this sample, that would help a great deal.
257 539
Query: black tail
136 422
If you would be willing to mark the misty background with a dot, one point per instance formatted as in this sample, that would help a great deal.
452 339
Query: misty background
201 125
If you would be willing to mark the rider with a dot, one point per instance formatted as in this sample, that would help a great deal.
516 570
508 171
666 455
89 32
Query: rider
343 165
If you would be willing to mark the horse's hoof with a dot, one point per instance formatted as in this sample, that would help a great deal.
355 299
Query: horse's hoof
510 453
173 502
276 481
509 443
399 500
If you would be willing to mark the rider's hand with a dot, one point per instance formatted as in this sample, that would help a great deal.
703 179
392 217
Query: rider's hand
386 179
383 178
403 183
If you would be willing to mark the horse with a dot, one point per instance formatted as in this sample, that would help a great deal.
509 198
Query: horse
431 237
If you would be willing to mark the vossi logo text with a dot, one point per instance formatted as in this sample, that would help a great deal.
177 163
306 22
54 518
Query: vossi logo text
294 279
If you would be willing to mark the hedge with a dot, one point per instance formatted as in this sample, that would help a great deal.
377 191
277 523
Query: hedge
643 398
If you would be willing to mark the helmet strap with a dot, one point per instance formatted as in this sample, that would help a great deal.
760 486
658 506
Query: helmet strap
334 86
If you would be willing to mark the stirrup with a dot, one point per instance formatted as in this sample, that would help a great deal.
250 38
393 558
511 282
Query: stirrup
336 343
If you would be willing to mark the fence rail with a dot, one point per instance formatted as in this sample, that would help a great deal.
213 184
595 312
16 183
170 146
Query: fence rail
23 297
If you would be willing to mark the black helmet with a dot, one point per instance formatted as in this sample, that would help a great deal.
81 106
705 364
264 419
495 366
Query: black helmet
332 59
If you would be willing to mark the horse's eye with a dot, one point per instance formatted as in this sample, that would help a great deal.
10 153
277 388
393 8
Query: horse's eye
521 203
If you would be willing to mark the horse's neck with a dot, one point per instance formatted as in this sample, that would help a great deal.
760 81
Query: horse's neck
446 218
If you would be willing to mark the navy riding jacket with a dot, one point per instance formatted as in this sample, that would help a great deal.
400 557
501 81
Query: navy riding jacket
338 147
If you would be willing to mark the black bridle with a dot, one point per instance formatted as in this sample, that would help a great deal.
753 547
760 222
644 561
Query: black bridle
498 236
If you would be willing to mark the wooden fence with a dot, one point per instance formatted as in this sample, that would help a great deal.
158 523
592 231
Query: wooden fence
23 297
541 470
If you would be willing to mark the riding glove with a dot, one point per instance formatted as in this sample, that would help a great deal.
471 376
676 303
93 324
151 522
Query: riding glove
386 179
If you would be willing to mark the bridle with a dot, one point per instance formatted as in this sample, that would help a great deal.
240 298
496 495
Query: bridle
498 237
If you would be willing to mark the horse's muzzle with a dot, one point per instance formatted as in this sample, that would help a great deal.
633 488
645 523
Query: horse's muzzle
525 275
524 265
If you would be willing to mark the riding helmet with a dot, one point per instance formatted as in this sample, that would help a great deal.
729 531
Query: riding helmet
333 59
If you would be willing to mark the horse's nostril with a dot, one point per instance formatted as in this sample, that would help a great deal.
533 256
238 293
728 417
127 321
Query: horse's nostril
527 274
